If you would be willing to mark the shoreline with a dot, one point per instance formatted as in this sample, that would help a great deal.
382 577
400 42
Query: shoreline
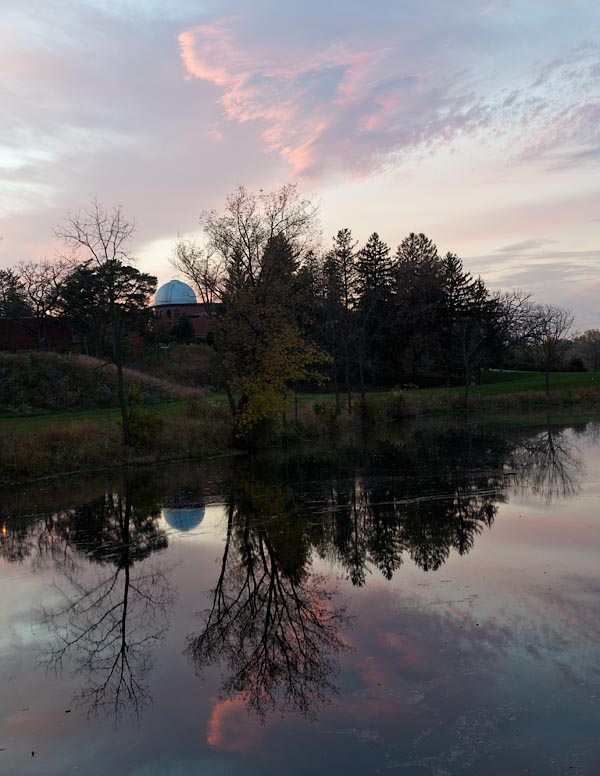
204 432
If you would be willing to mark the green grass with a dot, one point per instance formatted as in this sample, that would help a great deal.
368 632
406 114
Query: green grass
500 383
33 424
493 384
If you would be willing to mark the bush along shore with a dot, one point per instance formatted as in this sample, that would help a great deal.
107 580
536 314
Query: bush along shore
199 429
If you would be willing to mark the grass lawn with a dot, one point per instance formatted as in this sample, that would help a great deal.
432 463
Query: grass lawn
497 383
33 424
493 384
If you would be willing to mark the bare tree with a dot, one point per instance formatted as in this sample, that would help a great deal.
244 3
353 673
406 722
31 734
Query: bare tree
548 465
205 270
39 286
515 317
251 222
551 326
589 344
99 238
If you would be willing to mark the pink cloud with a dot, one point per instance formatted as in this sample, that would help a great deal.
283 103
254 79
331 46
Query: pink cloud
231 728
299 98
361 105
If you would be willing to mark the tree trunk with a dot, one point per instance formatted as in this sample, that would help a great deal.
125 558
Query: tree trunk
547 381
230 399
361 371
348 391
118 360
336 389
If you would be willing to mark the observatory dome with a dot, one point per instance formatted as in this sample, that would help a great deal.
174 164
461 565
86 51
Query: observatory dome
175 292
183 519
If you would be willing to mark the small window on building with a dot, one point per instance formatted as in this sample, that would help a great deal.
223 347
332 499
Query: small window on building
176 313
168 313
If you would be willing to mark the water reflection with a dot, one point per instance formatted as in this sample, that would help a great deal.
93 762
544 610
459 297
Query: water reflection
108 627
549 466
272 624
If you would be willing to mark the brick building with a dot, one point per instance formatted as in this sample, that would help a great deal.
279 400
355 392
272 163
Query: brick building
174 300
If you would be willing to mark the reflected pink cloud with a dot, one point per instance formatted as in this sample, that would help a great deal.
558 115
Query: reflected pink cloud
231 728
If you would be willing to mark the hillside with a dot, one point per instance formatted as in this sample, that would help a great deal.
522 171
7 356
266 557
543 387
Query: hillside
31 383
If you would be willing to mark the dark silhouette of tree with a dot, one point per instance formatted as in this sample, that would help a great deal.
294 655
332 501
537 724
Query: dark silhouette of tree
418 293
98 240
271 624
39 283
550 330
588 344
90 297
340 277
12 301
374 283
548 465
108 626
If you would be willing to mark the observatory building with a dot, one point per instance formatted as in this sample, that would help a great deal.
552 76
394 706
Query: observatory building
175 300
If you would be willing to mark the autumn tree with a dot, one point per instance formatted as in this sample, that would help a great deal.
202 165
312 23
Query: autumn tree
250 265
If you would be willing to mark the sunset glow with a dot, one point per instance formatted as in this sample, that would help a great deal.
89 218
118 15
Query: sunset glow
477 123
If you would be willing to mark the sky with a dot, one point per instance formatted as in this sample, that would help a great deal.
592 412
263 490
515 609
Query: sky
474 121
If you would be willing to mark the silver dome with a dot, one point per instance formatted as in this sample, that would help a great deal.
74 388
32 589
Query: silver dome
175 292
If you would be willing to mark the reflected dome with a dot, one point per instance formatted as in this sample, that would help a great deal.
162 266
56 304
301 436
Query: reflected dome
183 519
175 292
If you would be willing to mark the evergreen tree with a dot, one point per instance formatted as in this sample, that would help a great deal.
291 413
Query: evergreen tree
419 294
341 268
374 278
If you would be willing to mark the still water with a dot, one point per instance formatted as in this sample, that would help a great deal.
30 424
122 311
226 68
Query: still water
425 603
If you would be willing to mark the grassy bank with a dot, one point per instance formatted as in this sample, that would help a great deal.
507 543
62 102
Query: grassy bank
200 427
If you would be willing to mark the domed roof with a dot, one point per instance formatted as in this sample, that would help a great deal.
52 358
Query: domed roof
183 519
175 292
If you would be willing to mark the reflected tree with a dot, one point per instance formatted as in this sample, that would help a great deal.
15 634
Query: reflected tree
439 493
549 466
271 624
108 627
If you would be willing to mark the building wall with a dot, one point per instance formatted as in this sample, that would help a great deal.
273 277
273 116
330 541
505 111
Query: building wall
21 334
168 315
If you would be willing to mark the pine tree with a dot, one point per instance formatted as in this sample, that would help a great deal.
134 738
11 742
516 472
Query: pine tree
374 273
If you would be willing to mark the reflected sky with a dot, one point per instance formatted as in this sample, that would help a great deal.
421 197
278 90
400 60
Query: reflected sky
428 603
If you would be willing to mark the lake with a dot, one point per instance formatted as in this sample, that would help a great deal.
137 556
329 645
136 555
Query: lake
425 601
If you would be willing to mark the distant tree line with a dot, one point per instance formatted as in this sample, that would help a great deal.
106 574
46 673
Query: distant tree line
363 316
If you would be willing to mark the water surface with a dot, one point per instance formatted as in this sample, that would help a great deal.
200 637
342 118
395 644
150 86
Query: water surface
425 603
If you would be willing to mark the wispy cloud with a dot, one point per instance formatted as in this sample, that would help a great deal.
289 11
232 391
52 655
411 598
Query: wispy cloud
362 103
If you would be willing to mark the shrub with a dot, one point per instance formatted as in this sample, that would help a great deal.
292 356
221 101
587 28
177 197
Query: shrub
144 427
